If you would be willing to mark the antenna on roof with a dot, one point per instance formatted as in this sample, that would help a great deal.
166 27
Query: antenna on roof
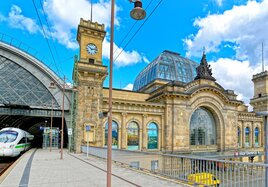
91 10
262 59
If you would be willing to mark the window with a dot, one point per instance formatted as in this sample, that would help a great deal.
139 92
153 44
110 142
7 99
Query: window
8 136
256 141
23 140
154 165
133 136
247 137
202 128
152 132
114 134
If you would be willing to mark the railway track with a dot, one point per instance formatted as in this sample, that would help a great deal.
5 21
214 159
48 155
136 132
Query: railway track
5 163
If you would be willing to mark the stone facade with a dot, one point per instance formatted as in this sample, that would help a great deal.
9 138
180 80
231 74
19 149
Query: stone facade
170 106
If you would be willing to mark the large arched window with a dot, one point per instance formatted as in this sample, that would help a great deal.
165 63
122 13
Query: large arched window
152 131
202 128
114 134
247 136
133 136
238 136
256 141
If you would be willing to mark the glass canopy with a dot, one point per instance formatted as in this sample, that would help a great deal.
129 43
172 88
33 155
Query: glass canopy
167 66
19 86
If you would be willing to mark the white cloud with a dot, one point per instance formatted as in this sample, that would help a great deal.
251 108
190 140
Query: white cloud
235 75
16 20
125 58
219 2
65 19
244 26
128 87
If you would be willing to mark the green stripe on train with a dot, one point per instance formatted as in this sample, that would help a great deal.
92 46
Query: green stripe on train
22 145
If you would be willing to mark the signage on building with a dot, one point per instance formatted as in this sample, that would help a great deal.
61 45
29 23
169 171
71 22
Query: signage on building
248 153
70 131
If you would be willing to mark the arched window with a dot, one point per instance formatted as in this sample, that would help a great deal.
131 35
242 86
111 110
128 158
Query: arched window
152 131
247 137
238 136
133 136
114 134
256 141
202 128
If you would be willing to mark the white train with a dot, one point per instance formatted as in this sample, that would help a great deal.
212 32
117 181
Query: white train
14 141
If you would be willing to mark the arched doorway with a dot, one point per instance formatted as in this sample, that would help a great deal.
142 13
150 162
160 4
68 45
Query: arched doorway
152 131
202 127
133 136
114 134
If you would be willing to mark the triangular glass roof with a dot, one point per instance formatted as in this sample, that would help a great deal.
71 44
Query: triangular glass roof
168 66
19 86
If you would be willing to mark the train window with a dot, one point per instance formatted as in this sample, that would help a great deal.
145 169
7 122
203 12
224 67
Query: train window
8 136
23 140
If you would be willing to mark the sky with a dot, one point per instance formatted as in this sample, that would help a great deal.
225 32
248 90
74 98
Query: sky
232 32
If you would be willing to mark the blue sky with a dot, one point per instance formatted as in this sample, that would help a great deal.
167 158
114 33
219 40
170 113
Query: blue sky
231 30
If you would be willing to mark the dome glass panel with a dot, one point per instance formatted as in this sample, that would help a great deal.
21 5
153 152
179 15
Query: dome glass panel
168 66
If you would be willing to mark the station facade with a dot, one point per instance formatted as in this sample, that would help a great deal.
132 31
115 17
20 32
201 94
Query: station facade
176 106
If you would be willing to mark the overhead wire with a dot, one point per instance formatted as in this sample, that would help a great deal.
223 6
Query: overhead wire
137 30
51 34
45 35
130 29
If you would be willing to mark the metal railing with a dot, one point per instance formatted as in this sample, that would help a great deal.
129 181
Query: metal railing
193 170
9 40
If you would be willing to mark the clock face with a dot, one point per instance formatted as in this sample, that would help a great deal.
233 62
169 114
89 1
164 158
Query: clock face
92 48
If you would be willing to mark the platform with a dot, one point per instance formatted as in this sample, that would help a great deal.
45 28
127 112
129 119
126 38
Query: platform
44 168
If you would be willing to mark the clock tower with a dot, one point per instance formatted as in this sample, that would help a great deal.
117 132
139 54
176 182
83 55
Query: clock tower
88 75
90 37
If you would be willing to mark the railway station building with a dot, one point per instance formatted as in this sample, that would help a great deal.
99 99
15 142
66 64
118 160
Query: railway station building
176 106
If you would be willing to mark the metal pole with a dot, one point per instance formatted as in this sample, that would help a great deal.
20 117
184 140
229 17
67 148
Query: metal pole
91 11
87 144
62 120
109 142
69 147
51 121
266 150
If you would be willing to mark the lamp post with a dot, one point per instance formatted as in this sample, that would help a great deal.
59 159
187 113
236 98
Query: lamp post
62 120
265 114
52 86
74 89
137 13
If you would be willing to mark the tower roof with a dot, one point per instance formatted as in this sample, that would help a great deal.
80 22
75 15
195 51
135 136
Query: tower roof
204 70
168 66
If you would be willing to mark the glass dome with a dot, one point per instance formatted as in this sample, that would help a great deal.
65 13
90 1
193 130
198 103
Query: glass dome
168 66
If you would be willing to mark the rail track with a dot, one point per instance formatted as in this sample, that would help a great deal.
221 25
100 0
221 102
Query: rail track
5 163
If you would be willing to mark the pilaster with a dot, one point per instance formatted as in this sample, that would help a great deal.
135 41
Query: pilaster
123 131
144 132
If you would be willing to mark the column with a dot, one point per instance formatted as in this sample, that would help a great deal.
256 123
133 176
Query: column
140 137
252 135
144 132
123 131
260 137
243 134
162 133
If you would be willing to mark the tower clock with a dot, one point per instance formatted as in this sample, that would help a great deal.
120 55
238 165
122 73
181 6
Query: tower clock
89 74
90 37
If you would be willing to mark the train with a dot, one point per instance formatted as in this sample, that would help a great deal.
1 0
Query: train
14 141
